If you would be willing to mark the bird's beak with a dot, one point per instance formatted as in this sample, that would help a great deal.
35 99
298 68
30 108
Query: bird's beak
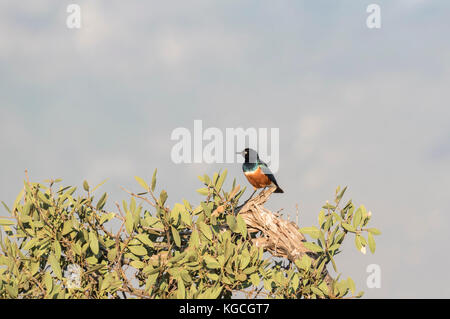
241 153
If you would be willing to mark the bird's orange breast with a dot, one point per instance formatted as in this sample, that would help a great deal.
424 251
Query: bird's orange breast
257 178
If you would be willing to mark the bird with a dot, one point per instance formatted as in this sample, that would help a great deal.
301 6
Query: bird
257 172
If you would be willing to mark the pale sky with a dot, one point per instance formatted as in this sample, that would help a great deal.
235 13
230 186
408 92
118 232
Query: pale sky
366 108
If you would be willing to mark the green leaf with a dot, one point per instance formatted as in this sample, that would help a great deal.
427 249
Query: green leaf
212 276
351 285
363 240
185 276
324 288
95 268
213 265
186 218
348 227
67 228
321 217
333 262
328 206
112 254
304 263
93 242
358 242
137 264
241 277
295 281
18 198
234 191
211 262
141 182
106 217
328 222
311 231
313 247
317 291
374 231
334 247
44 198
371 241
203 191
95 188
221 179
129 223
77 248
30 244
145 240
163 197
86 186
176 236
101 202
138 250
48 282
181 292
106 283
357 218
154 180
268 284
6 222
197 210
55 266
205 229
339 197
244 260
194 241
232 223
254 278
215 176
242 226
176 212
34 268
57 249
187 205
132 205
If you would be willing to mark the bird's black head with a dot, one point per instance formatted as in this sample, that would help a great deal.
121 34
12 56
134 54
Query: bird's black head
250 155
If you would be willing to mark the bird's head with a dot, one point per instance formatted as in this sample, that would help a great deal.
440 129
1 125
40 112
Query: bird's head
250 155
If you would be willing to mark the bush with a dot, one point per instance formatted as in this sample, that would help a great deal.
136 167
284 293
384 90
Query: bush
62 245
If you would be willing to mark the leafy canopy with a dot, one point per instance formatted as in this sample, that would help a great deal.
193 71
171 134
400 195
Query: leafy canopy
60 244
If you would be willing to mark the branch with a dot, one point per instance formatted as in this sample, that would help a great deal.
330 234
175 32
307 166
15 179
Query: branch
280 237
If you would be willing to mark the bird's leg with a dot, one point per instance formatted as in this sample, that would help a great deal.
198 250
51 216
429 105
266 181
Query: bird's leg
251 196
254 193
239 207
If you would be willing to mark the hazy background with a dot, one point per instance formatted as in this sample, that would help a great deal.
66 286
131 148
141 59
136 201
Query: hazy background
367 108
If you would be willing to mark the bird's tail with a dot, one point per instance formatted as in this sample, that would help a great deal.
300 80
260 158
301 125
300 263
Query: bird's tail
279 190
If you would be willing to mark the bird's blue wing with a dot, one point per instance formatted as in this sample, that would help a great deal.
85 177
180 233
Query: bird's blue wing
266 170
